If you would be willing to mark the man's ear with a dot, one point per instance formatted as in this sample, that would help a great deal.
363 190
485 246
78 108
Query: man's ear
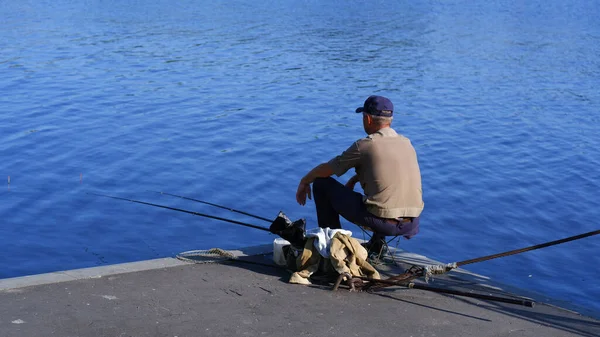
369 119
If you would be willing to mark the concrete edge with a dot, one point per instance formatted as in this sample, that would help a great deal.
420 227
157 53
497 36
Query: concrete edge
86 273
114 269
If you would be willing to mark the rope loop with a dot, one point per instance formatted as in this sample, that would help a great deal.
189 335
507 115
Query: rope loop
213 255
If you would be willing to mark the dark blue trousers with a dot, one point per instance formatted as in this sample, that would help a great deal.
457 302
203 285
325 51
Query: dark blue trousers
333 199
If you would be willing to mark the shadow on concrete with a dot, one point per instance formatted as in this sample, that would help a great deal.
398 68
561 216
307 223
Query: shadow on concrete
389 296
543 314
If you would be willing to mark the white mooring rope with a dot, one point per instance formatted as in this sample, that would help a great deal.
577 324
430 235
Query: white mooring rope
213 255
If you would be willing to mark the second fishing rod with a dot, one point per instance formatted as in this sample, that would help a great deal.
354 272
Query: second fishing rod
281 225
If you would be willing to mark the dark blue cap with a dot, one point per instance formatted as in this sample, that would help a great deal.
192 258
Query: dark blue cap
377 106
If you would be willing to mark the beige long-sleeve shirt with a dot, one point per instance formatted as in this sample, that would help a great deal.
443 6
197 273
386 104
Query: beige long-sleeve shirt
388 171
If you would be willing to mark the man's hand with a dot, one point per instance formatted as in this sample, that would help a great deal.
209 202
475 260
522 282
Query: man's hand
302 192
351 182
320 171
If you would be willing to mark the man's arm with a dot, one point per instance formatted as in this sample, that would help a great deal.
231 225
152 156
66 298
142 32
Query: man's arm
323 170
338 165
352 181
320 171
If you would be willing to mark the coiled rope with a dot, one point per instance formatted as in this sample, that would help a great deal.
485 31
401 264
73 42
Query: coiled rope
213 255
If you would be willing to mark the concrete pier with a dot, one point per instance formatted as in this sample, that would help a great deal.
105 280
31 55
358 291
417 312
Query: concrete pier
168 297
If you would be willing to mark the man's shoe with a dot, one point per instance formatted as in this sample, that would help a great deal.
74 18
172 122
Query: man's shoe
376 247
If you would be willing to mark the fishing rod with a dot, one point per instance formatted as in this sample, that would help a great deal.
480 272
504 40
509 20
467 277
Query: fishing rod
523 302
428 271
211 204
281 225
418 271
184 211
522 250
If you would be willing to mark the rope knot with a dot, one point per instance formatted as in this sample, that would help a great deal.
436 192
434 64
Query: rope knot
438 270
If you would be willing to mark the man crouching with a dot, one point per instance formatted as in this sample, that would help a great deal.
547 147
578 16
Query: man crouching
386 166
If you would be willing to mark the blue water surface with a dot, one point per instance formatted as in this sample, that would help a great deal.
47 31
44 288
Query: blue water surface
234 101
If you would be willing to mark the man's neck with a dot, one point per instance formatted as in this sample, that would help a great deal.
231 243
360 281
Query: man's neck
378 127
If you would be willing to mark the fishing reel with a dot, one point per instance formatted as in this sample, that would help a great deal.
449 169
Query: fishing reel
294 232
